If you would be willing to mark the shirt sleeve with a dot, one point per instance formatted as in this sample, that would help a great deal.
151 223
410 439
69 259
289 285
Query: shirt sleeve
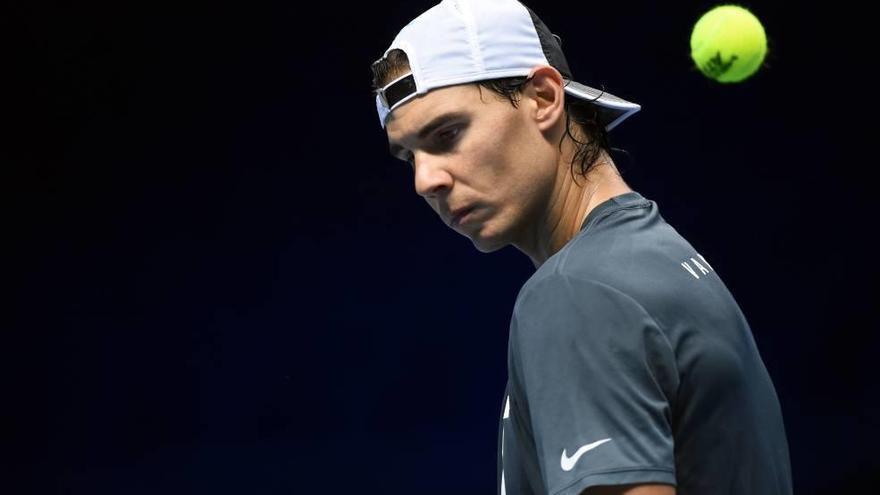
594 378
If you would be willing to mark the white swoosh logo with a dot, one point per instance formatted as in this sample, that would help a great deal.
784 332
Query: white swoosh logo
569 462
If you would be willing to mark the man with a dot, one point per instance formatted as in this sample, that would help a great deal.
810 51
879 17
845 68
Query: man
631 368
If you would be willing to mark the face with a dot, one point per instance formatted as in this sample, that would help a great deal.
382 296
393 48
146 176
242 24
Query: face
487 156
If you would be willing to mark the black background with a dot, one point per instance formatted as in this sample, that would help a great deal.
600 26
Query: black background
222 283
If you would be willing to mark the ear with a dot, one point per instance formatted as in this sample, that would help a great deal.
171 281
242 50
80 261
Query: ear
547 90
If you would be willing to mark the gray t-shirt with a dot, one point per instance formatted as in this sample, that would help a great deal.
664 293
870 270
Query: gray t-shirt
629 361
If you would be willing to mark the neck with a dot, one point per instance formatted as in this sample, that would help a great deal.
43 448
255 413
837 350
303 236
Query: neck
571 203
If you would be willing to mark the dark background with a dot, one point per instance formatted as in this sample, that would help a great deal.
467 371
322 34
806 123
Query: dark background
222 283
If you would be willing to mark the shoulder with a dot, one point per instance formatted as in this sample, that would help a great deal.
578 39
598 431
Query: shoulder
578 276
584 331
557 289
554 303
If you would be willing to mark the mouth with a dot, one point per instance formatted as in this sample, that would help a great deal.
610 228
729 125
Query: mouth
461 217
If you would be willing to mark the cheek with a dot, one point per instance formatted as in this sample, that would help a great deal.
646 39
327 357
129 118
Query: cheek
509 161
527 158
531 176
502 152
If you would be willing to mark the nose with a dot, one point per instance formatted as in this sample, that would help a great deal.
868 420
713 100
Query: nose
431 176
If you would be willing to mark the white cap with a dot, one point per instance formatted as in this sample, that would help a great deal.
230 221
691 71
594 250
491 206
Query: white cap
463 41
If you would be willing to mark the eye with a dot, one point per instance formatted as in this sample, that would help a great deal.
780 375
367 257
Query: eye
448 134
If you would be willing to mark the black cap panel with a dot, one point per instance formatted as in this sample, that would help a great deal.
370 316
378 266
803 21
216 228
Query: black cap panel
551 47
399 90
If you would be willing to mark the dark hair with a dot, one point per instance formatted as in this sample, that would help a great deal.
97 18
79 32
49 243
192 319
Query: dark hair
584 114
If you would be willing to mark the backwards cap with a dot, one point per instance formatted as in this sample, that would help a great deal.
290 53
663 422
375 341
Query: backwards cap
463 41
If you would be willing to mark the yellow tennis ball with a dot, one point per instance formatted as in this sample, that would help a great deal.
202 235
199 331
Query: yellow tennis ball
728 43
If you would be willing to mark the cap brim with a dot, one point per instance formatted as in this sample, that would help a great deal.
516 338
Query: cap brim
612 109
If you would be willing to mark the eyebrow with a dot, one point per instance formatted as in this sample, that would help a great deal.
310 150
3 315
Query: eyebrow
430 127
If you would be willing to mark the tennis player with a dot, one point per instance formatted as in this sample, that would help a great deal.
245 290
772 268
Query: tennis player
631 369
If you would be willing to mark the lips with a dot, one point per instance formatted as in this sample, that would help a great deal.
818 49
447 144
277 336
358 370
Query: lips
458 214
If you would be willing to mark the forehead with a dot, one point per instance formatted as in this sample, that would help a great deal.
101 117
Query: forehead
408 119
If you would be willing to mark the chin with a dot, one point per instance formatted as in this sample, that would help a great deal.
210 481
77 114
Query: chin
487 244
490 235
487 249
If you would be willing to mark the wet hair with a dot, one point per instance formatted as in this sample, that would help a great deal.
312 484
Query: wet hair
582 113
